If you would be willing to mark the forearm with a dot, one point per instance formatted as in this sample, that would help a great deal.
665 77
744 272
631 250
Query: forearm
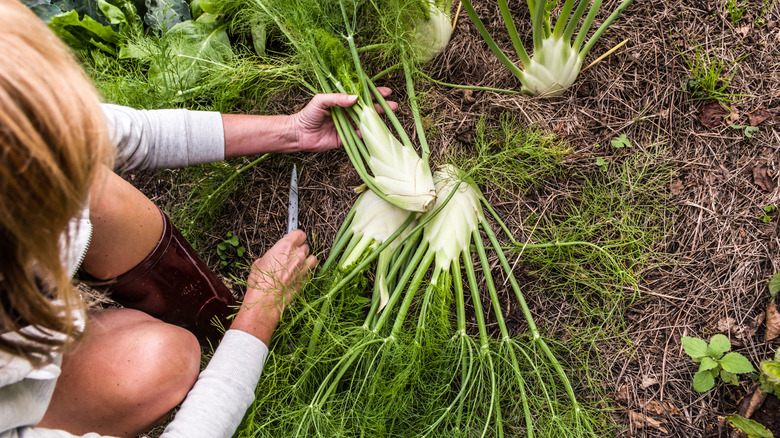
252 135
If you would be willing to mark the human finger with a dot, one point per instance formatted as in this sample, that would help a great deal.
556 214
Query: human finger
327 100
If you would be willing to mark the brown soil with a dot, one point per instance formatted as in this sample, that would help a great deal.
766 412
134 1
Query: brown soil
721 254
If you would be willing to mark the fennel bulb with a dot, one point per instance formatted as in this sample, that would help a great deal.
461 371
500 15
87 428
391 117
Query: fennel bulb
449 232
432 35
557 52
399 173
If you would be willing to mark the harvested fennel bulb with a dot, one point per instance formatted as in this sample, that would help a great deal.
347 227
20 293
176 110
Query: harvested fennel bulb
399 173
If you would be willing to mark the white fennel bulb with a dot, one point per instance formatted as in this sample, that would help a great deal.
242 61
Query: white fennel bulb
399 173
431 36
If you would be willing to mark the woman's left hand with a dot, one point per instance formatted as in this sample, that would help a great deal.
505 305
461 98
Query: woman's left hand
314 125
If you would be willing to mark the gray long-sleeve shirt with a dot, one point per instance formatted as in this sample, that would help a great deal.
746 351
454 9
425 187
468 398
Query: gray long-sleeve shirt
225 389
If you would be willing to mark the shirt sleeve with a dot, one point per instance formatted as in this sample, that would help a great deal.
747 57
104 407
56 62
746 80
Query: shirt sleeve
224 391
161 139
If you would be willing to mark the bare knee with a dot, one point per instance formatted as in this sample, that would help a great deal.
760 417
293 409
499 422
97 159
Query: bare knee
165 369
130 371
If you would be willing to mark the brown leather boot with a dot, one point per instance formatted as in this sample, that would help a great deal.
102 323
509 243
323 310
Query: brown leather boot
173 284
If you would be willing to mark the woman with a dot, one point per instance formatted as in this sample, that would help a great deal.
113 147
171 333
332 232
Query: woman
119 372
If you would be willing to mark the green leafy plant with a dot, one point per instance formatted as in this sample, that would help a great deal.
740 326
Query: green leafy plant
714 362
770 375
751 428
768 210
747 131
621 141
229 251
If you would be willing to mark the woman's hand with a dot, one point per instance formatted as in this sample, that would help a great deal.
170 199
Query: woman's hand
274 280
316 131
310 130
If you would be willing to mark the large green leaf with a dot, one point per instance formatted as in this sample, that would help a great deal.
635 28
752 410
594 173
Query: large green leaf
193 48
752 428
736 363
695 348
166 14
708 363
84 34
703 381
719 344
774 285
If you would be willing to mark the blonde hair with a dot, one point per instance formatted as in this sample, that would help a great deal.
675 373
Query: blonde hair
53 138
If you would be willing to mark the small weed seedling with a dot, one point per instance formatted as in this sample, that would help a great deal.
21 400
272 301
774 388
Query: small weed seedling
602 164
706 79
767 216
736 9
229 250
760 21
747 131
714 363
621 141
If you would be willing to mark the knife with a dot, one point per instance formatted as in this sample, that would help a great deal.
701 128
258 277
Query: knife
292 209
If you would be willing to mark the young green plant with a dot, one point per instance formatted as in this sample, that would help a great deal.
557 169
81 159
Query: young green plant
713 362
556 60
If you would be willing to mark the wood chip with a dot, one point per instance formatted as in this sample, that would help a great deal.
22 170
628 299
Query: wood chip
734 116
640 421
677 187
772 322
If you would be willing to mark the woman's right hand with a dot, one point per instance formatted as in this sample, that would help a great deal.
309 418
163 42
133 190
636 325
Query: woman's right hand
274 280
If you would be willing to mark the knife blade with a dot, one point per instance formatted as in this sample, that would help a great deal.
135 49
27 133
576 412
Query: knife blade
292 209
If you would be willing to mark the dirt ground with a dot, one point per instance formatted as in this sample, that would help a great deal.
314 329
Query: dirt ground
720 252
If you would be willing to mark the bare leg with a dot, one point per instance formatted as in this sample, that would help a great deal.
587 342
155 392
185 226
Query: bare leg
125 377
126 226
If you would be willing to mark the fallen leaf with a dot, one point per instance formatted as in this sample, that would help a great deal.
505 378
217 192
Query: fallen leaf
759 116
648 382
712 114
751 402
745 331
761 177
743 30
677 187
663 409
727 325
772 322
639 421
